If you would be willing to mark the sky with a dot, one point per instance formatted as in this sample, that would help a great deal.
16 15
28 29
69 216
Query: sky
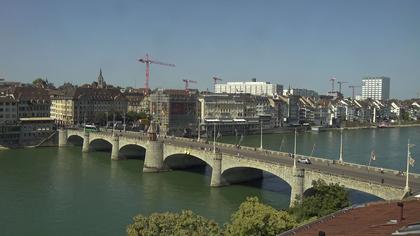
295 43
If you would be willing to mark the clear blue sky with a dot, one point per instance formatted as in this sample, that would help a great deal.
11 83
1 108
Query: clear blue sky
301 43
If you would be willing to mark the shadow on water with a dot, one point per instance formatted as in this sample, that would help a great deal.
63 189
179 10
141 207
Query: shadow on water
132 151
188 163
75 140
258 179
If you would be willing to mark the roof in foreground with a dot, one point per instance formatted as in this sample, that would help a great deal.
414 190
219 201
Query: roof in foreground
380 218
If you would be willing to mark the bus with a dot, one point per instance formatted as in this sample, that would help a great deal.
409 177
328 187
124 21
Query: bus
91 128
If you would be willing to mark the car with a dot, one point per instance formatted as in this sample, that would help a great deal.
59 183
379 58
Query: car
304 161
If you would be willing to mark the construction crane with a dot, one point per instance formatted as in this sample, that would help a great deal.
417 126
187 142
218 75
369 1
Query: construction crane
146 60
187 81
353 87
339 85
333 79
215 79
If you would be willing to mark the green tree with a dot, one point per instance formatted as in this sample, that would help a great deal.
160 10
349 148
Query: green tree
100 118
322 199
255 218
185 223
40 83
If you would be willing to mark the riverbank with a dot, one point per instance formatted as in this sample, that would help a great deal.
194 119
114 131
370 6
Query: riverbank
366 127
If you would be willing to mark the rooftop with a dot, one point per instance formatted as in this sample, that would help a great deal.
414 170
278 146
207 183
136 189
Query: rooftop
379 218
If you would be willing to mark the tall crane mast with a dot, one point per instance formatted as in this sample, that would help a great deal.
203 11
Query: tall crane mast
215 79
339 85
146 60
187 82
333 79
353 87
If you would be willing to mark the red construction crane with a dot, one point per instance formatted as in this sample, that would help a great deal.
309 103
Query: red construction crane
146 60
333 79
353 87
339 85
216 79
187 81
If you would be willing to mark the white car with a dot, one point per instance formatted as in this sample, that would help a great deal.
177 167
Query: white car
304 161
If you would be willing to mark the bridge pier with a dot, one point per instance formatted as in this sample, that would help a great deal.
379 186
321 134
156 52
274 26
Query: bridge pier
216 173
85 147
297 186
153 161
115 147
62 137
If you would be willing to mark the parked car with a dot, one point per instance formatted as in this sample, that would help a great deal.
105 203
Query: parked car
304 161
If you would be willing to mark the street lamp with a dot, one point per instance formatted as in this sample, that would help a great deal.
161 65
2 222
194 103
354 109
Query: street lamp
113 124
294 151
341 145
214 137
124 120
106 125
261 136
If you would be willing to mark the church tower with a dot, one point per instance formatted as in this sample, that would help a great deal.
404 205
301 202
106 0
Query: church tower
101 81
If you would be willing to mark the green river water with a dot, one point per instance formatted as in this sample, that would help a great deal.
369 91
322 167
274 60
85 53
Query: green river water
60 191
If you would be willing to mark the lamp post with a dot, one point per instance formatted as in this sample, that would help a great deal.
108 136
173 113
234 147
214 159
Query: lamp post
214 137
261 136
124 120
294 151
113 123
198 131
341 145
84 122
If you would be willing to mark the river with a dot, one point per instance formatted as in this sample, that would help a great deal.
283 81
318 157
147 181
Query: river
60 191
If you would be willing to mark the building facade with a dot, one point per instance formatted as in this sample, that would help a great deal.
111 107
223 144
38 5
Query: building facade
376 88
300 92
236 113
175 111
8 110
76 106
254 88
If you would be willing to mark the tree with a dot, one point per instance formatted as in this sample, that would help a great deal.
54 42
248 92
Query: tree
185 223
39 83
255 218
322 200
100 118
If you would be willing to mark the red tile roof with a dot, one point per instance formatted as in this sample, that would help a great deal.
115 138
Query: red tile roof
371 219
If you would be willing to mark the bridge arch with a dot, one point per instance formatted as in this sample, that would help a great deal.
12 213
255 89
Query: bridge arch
75 140
376 189
245 174
282 172
132 151
184 161
100 144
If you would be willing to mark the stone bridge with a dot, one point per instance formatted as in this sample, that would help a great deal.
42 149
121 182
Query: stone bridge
229 166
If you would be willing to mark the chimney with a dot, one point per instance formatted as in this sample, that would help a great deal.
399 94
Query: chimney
254 79
401 205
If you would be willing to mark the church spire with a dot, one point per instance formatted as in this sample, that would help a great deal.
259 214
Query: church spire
101 81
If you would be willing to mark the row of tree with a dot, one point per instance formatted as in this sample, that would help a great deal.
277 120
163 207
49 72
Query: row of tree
252 217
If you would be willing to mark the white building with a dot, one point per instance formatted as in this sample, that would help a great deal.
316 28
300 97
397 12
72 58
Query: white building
300 92
376 88
254 88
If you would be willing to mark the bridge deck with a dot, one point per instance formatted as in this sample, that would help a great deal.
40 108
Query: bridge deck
325 166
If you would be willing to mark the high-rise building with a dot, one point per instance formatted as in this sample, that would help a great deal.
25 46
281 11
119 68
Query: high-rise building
253 87
376 88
